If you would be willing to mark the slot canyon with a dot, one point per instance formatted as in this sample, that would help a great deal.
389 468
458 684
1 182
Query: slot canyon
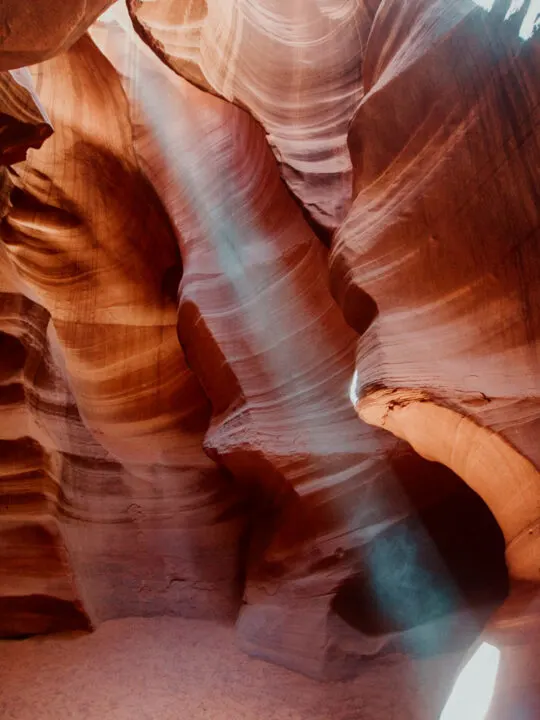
269 359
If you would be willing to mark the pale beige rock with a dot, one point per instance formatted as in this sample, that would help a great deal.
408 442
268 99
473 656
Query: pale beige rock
508 482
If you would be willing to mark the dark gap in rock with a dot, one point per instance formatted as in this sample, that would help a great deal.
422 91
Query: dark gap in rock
445 558
12 356
21 617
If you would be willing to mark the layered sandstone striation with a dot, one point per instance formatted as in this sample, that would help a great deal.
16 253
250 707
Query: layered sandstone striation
297 67
443 235
148 520
178 345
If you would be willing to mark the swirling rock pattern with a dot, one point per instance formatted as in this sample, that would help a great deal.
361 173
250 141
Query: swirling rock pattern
37 592
178 427
253 305
297 66
444 229
132 469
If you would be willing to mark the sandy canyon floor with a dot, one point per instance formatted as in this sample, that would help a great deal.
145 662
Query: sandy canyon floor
174 669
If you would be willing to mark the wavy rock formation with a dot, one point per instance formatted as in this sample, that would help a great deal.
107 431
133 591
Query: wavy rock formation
297 66
37 593
177 425
36 585
444 230
271 375
245 248
145 517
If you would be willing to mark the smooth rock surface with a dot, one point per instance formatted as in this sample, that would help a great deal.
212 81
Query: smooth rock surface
297 66
444 230
145 515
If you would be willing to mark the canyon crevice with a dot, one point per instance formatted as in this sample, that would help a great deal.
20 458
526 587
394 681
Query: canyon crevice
269 321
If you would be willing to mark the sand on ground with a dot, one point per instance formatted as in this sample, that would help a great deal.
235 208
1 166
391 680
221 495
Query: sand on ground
175 669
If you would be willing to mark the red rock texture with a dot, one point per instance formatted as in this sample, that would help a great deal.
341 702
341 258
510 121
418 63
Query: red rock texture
137 412
297 67
33 32
178 344
444 228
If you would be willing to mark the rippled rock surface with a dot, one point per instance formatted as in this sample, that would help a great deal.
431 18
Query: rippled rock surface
182 354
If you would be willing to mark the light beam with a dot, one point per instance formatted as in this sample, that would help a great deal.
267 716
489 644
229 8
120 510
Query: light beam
473 691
